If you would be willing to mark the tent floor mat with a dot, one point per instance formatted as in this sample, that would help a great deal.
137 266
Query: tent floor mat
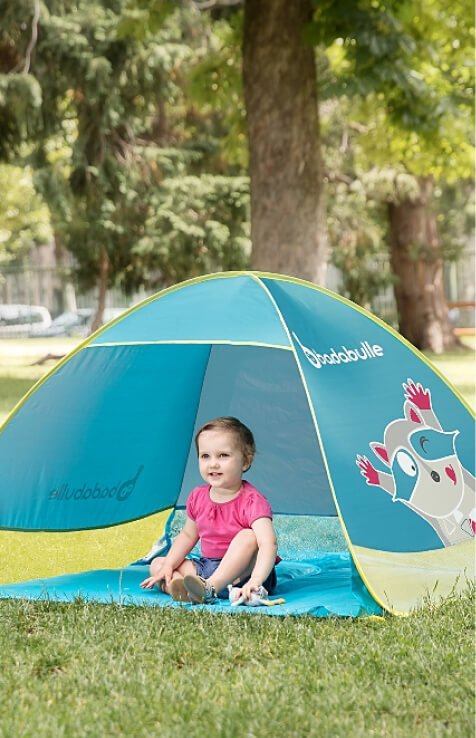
321 587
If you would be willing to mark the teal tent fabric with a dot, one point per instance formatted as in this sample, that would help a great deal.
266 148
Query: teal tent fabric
350 421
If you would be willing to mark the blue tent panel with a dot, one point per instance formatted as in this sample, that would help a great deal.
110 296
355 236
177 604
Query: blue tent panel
104 441
209 310
355 369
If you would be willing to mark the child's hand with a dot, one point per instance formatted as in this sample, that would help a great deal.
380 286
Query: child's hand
163 575
250 587
150 582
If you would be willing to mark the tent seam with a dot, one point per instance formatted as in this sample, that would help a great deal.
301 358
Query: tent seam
257 275
191 342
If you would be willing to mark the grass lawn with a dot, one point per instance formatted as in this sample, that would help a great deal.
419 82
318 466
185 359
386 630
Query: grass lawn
103 671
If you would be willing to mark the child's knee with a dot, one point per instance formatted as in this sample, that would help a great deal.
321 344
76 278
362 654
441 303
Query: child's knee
155 565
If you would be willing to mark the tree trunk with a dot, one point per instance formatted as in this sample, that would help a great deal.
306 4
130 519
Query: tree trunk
417 263
280 88
103 281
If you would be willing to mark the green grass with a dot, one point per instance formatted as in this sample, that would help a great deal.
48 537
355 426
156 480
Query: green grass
460 368
88 670
18 367
84 670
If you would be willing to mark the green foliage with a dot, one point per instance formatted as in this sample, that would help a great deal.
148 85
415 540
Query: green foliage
215 85
409 91
132 117
140 18
127 166
24 218
357 236
378 51
356 220
456 215
397 90
197 225
20 101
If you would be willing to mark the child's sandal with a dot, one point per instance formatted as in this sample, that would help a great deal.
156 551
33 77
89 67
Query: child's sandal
199 591
177 590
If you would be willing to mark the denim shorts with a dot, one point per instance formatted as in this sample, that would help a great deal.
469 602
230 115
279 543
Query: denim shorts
205 568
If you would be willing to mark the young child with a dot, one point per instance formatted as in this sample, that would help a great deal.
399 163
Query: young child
232 520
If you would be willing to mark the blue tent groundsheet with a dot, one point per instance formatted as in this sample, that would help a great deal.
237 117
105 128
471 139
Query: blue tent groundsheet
321 587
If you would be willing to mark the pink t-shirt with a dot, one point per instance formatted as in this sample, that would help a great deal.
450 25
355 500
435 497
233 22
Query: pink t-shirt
219 522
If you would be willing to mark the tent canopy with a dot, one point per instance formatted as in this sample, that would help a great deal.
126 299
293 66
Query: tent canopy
349 420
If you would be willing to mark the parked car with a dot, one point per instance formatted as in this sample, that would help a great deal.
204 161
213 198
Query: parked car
71 323
75 323
17 321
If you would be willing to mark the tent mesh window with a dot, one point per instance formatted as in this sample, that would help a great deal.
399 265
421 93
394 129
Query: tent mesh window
299 537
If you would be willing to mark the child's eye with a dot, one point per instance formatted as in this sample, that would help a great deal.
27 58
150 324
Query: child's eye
224 455
204 456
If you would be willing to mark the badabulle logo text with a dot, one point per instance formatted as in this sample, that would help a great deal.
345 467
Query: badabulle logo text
343 355
120 491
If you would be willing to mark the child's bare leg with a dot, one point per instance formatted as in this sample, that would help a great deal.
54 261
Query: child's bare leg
238 562
156 565
186 567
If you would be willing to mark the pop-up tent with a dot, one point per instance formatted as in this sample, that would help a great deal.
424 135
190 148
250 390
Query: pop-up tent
350 422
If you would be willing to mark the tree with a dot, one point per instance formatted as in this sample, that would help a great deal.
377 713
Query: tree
417 261
386 59
280 94
280 90
412 92
129 148
109 97
415 244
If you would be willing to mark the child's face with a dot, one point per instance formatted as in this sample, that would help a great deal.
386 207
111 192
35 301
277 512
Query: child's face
221 460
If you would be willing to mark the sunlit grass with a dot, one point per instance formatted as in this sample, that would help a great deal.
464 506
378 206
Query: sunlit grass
460 368
87 670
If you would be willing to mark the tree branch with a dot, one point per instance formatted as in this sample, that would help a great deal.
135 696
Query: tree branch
34 36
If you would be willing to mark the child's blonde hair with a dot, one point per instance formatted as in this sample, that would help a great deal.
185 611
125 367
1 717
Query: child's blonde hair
241 431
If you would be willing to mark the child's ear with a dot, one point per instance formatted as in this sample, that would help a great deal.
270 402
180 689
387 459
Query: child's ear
247 463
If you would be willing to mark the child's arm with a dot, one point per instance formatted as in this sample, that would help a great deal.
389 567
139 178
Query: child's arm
266 557
182 545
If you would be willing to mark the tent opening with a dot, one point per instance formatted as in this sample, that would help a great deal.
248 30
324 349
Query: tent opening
262 387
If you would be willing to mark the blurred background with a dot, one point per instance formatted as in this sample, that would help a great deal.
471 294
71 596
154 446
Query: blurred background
144 143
